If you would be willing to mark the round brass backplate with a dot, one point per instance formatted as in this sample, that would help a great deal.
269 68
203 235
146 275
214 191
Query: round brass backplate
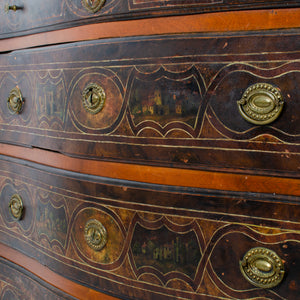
92 5
261 104
16 206
93 98
95 234
15 101
262 267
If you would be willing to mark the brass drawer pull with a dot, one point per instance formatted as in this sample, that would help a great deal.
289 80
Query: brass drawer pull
16 206
262 267
92 5
12 7
261 104
15 101
93 98
95 234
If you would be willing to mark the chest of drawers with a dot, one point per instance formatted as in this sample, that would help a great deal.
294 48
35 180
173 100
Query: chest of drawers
150 150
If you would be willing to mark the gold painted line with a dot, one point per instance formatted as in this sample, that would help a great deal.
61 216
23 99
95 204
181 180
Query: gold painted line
162 57
58 281
141 208
162 146
68 286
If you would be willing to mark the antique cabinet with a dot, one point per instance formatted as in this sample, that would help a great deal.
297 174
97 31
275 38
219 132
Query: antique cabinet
149 149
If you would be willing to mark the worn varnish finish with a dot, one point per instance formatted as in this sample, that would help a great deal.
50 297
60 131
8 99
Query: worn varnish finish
161 108
56 14
232 181
249 20
49 288
202 224
28 287
160 191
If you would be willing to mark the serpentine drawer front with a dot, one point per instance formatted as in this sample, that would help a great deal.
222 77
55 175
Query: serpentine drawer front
134 100
149 149
18 283
121 235
22 17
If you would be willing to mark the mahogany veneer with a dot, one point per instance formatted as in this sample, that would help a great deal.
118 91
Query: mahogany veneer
173 186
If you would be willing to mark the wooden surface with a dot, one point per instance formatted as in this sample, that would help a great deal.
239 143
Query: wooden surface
158 175
193 123
215 22
211 229
182 199
45 274
58 14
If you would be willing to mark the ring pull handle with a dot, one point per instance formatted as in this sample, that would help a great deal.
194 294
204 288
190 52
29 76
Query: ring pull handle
92 6
262 267
15 101
95 234
93 98
16 206
12 7
261 104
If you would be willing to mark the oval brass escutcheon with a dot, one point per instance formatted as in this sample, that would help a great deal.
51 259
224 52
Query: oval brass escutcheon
93 97
16 206
261 104
95 234
15 101
262 267
92 5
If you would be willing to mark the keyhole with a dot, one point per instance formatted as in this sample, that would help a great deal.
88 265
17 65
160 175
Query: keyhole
90 98
92 2
95 236
93 98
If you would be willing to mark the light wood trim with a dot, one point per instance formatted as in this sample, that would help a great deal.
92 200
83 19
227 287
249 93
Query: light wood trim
211 22
158 175
68 286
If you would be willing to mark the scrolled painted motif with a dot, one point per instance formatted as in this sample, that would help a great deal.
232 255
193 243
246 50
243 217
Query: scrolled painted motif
93 98
95 234
16 206
261 104
262 267
92 5
15 101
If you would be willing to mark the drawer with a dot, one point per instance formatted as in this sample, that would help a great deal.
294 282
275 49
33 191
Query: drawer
137 100
18 283
32 16
152 241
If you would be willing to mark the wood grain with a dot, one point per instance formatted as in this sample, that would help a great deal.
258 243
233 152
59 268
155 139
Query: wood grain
38 17
214 22
158 175
200 129
72 288
134 213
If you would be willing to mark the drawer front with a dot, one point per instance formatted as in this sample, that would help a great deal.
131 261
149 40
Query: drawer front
137 100
149 242
18 283
24 17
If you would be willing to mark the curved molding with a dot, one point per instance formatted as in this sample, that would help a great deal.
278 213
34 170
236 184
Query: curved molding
57 281
157 175
215 22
